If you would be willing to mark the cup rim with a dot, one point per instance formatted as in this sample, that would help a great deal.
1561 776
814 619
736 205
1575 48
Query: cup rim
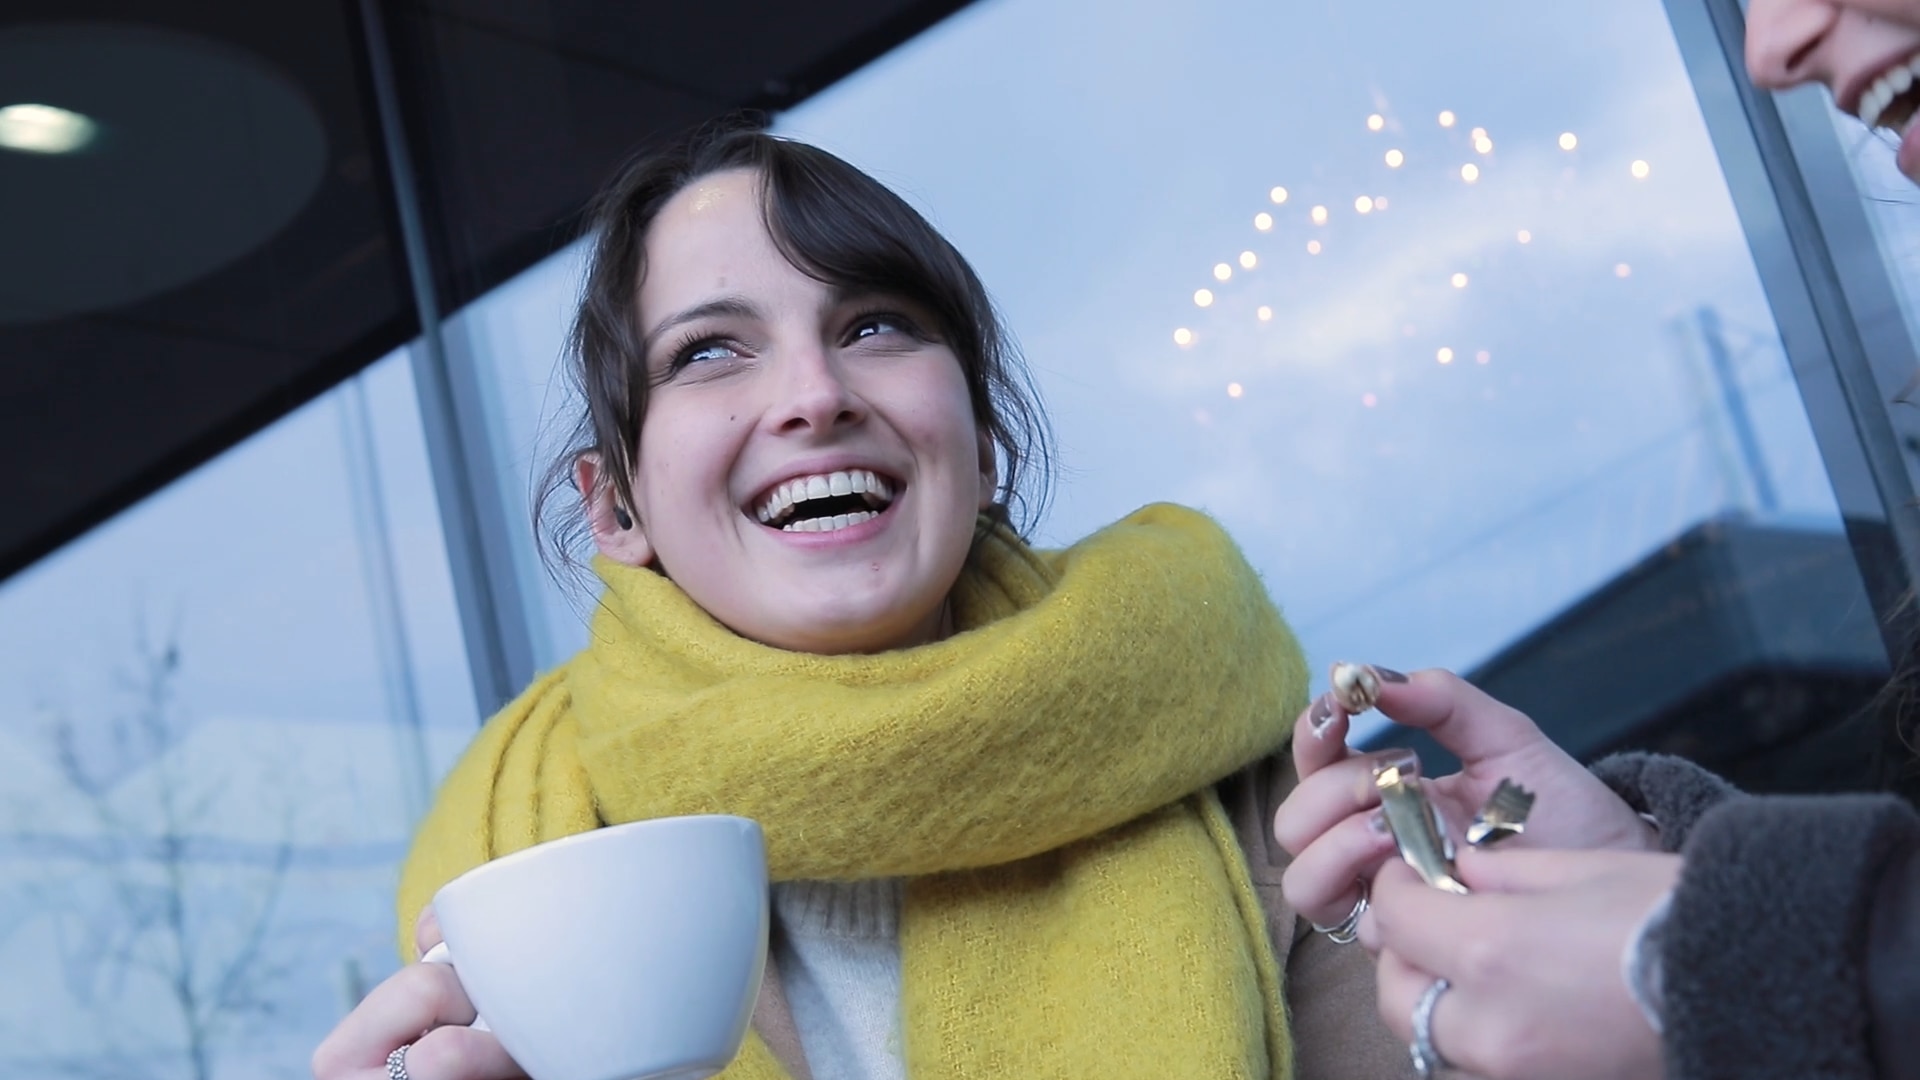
574 839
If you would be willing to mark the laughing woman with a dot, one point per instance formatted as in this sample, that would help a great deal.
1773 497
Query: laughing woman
1016 802
1734 936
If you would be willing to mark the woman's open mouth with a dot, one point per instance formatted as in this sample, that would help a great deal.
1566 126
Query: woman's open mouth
1892 100
825 502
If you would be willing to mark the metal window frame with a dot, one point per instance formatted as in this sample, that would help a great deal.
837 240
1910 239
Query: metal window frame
1832 296
474 521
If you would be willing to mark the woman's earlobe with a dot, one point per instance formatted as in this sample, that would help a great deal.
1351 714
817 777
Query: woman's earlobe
615 532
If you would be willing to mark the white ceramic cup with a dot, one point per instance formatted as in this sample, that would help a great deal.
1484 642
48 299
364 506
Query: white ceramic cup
632 952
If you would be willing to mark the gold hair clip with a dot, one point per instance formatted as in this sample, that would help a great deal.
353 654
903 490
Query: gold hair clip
1417 829
1504 816
1421 834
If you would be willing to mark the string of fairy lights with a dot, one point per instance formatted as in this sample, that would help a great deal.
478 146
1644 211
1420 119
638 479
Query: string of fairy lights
1282 202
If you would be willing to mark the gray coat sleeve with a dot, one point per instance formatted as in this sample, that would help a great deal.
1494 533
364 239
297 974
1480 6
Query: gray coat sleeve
1790 950
1675 791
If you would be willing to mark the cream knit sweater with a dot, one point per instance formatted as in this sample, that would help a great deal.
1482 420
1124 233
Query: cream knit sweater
839 963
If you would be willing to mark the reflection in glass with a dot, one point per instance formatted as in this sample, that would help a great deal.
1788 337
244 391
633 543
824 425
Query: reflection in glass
1404 505
220 714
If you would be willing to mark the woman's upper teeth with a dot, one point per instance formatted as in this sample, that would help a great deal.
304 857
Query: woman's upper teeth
1873 103
780 502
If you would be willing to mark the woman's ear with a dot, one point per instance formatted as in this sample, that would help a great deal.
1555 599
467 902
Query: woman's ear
989 471
616 531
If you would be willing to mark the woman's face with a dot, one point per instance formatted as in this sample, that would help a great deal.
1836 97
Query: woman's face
809 467
1865 52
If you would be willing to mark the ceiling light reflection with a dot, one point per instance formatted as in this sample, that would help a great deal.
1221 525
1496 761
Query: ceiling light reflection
1234 390
45 129
1183 337
1395 159
1278 195
1445 355
1248 260
1221 271
1263 221
1469 172
1376 122
1264 314
1313 247
1526 236
1319 215
1622 270
1446 118
1640 170
1568 141
1459 281
1203 297
1363 205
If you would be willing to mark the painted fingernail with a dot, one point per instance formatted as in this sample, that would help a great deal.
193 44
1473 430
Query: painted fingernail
1320 716
1401 759
1377 823
1387 674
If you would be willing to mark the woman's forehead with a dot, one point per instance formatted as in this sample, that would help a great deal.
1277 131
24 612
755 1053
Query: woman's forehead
710 233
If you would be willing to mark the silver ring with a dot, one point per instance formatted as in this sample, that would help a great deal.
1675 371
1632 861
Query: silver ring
1427 1060
1349 928
397 1063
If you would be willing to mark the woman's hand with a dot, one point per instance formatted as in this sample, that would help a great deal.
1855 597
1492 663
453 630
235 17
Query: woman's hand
1533 959
421 1004
1330 823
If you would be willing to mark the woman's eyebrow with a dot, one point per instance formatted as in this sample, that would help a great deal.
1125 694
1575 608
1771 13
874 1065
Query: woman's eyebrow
723 305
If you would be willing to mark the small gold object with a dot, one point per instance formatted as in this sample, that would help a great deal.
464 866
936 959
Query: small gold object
1504 816
1355 686
1416 826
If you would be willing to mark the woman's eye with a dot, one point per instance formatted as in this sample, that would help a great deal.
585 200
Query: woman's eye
703 352
875 325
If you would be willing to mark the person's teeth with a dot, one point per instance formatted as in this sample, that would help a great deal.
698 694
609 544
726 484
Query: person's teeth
839 484
817 488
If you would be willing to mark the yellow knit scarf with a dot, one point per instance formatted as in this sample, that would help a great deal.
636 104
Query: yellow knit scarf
1077 904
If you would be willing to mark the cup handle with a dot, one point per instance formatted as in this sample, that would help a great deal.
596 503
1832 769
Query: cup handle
439 954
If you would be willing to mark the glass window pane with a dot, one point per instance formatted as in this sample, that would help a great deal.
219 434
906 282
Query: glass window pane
1889 198
1444 311
221 714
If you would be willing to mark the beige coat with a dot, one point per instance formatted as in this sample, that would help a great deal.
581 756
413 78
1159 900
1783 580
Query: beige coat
1337 1031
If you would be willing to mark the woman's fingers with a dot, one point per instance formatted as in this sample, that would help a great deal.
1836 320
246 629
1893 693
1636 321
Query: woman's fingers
1333 794
1458 715
459 1053
1426 927
1323 883
1319 736
406 1007
426 931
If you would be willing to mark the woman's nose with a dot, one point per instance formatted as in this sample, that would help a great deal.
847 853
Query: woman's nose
1784 39
813 393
